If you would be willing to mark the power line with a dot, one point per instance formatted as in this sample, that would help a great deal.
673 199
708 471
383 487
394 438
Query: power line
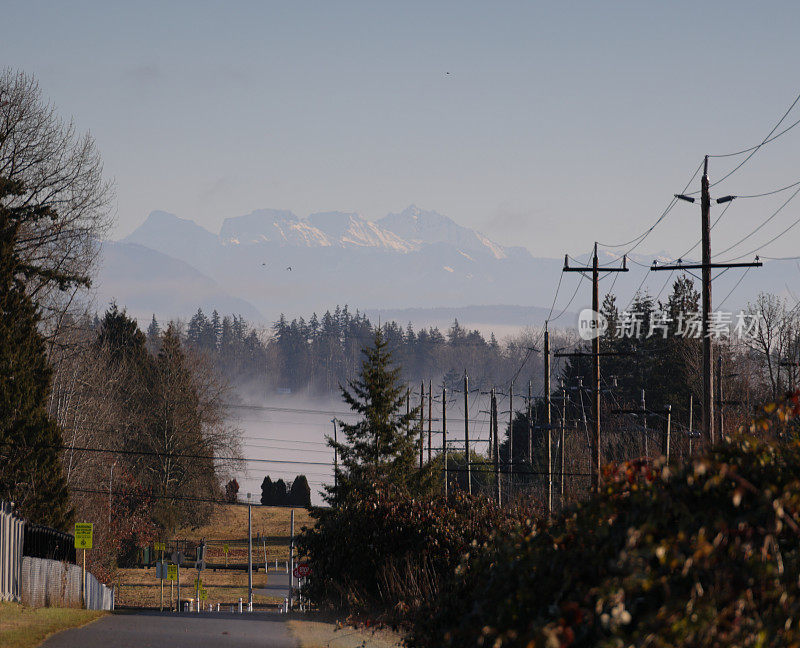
774 214
639 239
184 498
768 138
166 455
763 245
756 148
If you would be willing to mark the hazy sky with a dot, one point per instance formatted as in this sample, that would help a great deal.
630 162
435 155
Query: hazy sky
558 123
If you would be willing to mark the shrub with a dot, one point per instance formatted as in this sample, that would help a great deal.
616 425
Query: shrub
387 555
699 555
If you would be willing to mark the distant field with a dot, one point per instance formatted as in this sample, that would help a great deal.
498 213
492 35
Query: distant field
228 524
229 521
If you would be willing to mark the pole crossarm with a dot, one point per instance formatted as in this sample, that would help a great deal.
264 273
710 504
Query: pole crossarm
568 268
701 266
587 354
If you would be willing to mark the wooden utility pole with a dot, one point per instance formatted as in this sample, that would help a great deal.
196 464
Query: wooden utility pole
530 424
496 446
444 437
644 426
708 381
430 418
466 433
335 459
691 418
549 420
706 266
511 434
719 395
563 437
421 422
408 411
595 270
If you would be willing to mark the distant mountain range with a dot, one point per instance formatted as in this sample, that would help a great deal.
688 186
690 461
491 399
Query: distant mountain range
417 263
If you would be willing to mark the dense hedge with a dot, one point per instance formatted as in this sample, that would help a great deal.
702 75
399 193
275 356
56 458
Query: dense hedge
388 555
700 555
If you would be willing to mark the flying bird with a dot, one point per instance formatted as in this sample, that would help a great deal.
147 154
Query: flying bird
289 267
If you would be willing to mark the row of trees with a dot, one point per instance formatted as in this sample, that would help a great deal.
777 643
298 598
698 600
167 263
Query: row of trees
319 354
277 493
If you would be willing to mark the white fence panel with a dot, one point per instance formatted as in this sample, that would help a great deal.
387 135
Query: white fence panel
12 532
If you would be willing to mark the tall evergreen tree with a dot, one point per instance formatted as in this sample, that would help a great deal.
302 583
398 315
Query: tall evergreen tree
31 474
300 492
377 447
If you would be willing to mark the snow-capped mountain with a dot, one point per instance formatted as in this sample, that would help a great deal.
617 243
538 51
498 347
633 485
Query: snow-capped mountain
420 227
282 263
405 232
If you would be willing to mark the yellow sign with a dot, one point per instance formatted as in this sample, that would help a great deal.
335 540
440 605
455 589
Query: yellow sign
83 535
203 594
225 548
172 572
159 546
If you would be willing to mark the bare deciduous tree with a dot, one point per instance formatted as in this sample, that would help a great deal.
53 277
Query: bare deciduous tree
62 170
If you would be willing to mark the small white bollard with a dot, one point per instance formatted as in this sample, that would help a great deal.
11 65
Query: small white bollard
285 605
240 605
231 609
276 564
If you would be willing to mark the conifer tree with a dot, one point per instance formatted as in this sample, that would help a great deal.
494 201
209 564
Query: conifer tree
31 474
300 492
378 447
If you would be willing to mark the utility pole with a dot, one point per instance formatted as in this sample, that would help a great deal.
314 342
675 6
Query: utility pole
706 266
719 395
466 432
644 426
595 270
496 453
335 459
511 434
430 416
249 556
691 417
444 437
421 422
708 382
549 420
530 425
408 411
667 436
563 437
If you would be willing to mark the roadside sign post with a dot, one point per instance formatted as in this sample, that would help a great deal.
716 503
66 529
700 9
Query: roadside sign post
83 540
226 550
172 576
249 555
200 564
159 547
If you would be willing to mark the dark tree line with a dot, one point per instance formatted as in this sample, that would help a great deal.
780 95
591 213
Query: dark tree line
321 353
277 493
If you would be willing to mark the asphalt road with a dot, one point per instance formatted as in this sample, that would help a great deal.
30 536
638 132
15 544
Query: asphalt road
166 630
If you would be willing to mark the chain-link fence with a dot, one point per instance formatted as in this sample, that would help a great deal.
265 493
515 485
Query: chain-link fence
47 583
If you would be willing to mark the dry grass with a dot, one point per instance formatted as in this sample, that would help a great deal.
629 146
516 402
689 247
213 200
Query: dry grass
25 627
228 523
321 633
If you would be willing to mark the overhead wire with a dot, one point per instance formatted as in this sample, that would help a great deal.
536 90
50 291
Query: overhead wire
773 215
752 151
